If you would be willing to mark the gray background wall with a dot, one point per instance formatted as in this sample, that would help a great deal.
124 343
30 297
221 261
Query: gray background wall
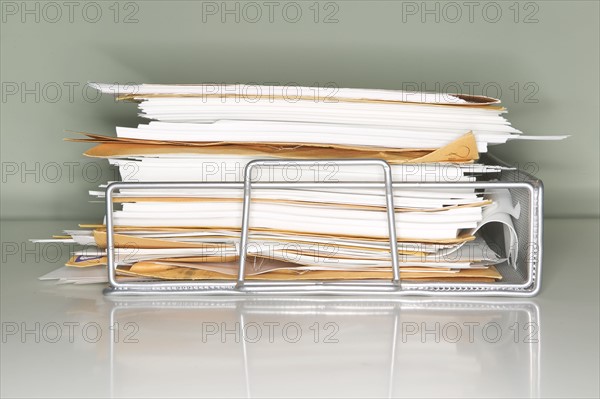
549 50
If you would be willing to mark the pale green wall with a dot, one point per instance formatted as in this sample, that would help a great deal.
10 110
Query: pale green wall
373 44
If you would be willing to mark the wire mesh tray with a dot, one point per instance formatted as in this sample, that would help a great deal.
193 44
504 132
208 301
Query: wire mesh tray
523 279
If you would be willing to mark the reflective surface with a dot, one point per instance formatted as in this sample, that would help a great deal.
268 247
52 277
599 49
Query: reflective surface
72 341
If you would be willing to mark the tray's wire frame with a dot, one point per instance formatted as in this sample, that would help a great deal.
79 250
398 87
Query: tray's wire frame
392 287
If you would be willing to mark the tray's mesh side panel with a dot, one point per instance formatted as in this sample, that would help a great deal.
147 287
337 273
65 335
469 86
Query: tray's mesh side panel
526 224
522 226
509 275
496 237
527 229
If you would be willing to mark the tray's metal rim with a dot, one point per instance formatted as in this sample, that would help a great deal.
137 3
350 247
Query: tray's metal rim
393 288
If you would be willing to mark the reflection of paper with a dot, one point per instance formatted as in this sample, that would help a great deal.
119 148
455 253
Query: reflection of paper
412 359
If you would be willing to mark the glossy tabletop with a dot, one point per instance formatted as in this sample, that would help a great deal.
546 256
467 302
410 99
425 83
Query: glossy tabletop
71 341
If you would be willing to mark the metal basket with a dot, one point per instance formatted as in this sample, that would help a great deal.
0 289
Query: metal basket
522 280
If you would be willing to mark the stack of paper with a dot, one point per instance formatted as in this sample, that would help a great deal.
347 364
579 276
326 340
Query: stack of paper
204 133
